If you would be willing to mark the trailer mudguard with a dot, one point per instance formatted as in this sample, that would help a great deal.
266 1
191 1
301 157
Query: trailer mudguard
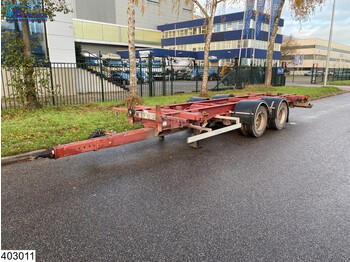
246 110
197 99
219 96
275 103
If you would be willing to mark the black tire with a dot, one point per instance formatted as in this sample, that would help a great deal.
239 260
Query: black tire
258 128
279 122
226 82
210 78
244 130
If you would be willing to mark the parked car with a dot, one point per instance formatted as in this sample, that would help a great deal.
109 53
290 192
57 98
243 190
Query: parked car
142 76
119 77
244 76
212 74
319 73
181 74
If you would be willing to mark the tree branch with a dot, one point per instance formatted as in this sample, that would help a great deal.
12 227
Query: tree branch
201 8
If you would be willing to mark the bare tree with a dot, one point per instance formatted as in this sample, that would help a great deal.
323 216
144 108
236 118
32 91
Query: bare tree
301 11
271 45
288 47
132 99
208 9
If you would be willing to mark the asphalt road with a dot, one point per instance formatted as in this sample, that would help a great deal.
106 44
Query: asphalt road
282 197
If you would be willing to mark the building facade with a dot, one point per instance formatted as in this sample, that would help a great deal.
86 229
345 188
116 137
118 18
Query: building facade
101 26
226 43
313 52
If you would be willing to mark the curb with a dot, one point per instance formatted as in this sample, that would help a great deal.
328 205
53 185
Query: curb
335 94
22 157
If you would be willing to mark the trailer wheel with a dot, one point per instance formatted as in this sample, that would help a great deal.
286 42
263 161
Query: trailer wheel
257 129
279 122
244 130
226 82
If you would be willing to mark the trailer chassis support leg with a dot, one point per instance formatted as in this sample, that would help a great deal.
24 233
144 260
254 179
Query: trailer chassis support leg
195 144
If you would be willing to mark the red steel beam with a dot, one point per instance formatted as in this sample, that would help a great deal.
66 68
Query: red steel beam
103 142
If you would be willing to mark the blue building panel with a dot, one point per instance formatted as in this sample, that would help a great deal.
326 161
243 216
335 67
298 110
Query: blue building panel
216 37
232 53
261 53
167 41
264 36
199 22
160 52
217 20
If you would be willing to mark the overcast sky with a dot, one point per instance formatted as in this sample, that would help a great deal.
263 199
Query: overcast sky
319 24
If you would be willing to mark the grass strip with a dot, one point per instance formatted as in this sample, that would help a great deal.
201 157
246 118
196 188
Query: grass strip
340 83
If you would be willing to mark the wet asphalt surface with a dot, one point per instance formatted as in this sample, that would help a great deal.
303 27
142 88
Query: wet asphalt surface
282 197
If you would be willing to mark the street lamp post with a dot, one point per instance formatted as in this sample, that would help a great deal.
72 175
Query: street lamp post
329 46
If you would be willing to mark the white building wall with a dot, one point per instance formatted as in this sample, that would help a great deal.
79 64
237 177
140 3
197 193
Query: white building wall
60 37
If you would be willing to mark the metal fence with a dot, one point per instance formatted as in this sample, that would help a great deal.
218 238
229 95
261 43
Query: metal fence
80 83
334 74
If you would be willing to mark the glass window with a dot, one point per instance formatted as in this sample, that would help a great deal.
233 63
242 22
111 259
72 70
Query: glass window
229 26
233 44
240 25
223 26
195 30
234 26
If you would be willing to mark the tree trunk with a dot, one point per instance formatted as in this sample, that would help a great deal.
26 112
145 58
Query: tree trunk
132 99
270 49
209 32
28 74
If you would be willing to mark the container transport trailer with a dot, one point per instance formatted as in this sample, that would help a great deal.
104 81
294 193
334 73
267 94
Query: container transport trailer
251 115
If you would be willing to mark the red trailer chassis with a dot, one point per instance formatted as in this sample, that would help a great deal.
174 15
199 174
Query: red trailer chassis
162 120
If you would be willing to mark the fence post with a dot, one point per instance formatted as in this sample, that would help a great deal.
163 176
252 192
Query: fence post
163 74
218 79
172 80
251 75
141 77
236 77
51 83
101 77
196 68
323 75
150 75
